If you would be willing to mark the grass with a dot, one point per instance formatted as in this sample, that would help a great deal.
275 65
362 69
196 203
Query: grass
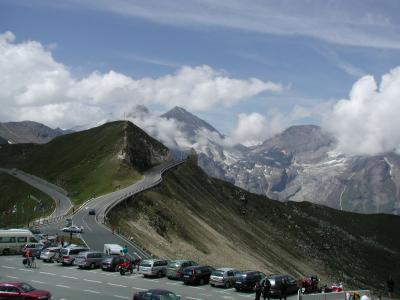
19 203
191 215
88 163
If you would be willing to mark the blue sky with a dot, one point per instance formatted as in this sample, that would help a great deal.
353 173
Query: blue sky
315 50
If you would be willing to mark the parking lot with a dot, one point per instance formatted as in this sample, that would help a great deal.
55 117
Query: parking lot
70 283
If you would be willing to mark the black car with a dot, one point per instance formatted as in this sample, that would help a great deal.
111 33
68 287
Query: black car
155 294
110 263
92 211
276 284
245 281
197 275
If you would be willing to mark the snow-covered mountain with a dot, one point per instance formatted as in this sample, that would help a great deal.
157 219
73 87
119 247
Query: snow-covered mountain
298 164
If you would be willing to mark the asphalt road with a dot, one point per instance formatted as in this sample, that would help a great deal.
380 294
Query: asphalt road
63 203
69 283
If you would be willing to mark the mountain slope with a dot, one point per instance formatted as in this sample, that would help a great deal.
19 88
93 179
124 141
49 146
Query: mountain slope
29 132
191 215
20 203
94 161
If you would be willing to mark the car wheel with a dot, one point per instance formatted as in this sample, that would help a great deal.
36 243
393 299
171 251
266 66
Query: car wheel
212 284
228 284
6 252
116 268
92 265
160 274
201 281
51 260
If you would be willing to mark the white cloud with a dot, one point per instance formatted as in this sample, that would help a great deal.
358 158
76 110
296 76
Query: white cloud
359 23
34 85
368 122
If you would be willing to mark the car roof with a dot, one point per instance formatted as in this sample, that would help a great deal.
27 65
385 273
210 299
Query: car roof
158 291
12 283
225 269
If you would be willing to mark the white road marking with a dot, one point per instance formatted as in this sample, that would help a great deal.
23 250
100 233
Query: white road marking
48 273
7 267
207 295
114 284
89 280
173 283
152 280
194 298
14 277
121 297
91 291
138 288
25 270
70 277
196 287
64 286
37 281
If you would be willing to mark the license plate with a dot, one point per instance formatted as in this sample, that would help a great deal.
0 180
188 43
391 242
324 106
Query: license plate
186 276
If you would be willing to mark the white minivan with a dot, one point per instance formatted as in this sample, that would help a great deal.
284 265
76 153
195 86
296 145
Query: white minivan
13 240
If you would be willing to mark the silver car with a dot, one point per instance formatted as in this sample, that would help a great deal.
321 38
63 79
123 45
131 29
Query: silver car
153 267
48 254
89 259
68 254
175 267
223 277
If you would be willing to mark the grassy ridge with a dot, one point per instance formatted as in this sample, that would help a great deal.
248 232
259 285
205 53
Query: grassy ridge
191 215
17 206
86 163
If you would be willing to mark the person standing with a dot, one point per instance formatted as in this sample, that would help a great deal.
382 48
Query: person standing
266 289
125 250
258 290
390 286
365 296
283 289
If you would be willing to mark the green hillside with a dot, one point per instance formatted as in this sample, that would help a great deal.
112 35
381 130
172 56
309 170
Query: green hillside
191 215
20 203
91 162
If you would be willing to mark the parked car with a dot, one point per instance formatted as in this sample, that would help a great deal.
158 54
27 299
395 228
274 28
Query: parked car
92 211
34 248
111 263
276 284
197 274
245 281
175 267
223 277
89 259
48 254
155 294
22 290
73 228
153 267
68 255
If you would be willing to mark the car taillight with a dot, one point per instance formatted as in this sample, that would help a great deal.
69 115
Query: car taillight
194 273
66 257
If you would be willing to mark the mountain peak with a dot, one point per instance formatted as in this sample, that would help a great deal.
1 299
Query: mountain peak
191 123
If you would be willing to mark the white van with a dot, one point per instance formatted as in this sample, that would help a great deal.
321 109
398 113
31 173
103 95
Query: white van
112 249
13 240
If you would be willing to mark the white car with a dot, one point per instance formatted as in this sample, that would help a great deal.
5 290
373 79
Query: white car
73 228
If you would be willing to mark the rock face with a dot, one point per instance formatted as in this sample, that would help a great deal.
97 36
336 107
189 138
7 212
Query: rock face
299 164
29 132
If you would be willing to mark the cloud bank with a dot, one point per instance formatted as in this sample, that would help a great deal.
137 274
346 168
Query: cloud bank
368 122
34 86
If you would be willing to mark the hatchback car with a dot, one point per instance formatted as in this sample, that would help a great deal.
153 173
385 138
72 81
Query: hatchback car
245 281
276 285
110 263
223 277
175 267
49 254
22 290
153 267
89 259
68 255
197 275
155 294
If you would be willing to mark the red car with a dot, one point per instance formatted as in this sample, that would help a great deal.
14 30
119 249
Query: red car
21 290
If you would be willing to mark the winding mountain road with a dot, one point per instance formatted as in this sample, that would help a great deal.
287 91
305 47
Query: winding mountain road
96 234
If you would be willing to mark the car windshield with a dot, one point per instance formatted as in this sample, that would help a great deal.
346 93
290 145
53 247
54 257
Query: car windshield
188 271
64 251
169 296
218 273
145 264
173 264
26 287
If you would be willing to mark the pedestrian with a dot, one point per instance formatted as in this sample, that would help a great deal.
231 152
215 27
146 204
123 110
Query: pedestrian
258 290
365 296
62 241
266 289
390 286
125 250
283 289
